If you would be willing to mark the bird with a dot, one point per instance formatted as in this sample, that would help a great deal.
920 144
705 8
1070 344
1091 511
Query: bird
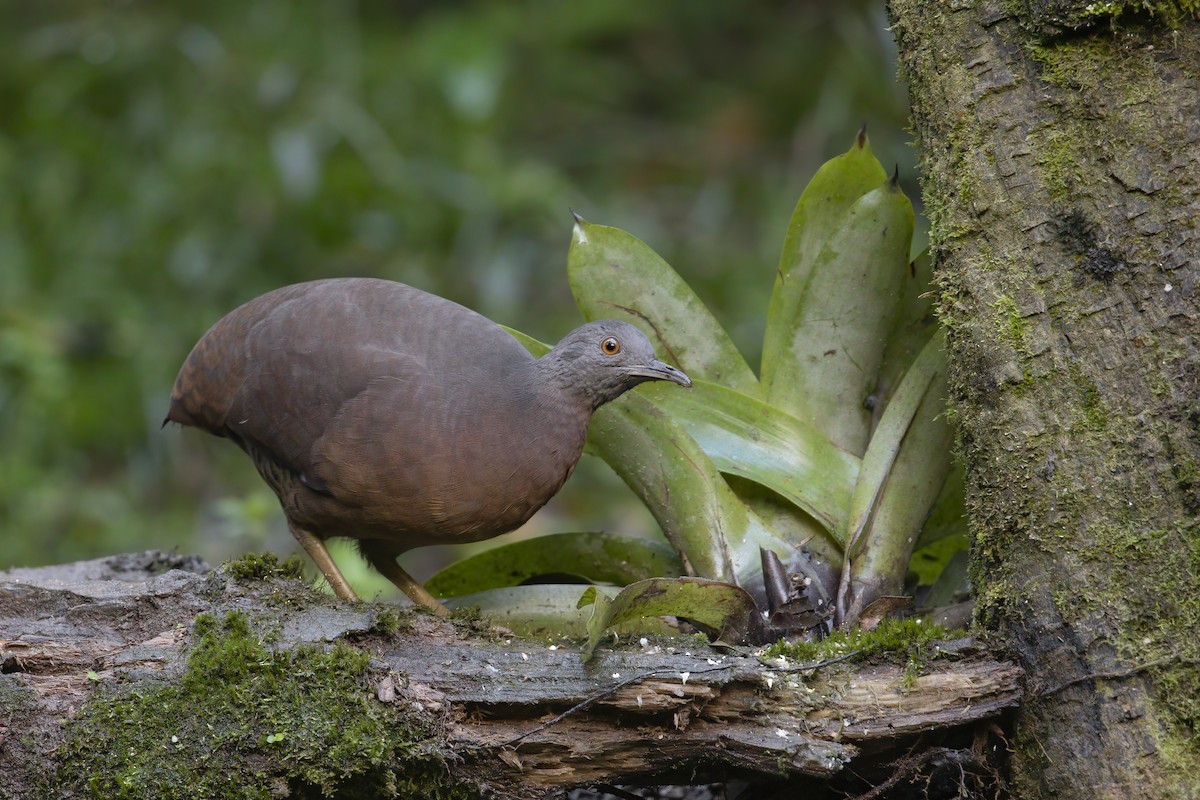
382 413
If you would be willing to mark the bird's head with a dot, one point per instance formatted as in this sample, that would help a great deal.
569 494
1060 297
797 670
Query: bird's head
602 360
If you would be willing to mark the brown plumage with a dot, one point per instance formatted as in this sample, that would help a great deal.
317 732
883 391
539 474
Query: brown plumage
388 415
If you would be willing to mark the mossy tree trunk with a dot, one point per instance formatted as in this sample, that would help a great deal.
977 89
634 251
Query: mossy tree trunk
1061 161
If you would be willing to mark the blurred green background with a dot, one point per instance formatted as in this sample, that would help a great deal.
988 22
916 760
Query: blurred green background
161 163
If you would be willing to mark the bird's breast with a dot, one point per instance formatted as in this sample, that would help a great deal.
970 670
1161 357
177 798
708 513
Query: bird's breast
506 465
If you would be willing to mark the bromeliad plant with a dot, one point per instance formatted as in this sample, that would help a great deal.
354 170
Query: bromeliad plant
801 491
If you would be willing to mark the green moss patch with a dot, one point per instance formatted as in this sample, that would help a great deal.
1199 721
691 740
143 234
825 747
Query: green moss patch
1173 13
1012 326
388 622
248 722
910 639
15 698
260 566
1092 410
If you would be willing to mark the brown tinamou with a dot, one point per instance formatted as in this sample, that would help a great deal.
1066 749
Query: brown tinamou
400 419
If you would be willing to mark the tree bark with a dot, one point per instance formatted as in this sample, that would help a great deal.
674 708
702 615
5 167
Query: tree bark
115 631
1062 180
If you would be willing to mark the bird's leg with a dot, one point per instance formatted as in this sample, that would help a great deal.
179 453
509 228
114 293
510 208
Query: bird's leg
315 547
383 558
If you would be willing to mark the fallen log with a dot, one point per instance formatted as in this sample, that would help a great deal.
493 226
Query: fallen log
148 672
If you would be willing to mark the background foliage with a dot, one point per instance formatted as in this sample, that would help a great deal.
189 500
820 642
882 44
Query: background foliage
161 163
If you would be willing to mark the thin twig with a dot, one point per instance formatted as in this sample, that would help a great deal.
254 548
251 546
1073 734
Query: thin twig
1117 673
603 693
818 665
913 763
589 701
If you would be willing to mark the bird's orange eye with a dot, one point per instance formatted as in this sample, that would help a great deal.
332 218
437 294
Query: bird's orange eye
610 346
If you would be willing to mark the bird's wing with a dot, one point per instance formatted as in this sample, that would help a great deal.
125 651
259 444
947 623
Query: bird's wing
310 358
385 443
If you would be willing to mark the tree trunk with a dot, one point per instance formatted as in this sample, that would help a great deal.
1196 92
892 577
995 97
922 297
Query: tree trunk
120 679
1062 180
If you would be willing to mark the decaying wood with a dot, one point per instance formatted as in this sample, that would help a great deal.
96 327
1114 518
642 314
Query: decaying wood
654 707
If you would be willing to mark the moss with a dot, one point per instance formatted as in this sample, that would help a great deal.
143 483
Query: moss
946 222
249 722
909 638
470 618
1012 326
1057 18
14 697
388 622
1092 410
1171 12
260 566
18 704
1092 63
1060 166
1152 619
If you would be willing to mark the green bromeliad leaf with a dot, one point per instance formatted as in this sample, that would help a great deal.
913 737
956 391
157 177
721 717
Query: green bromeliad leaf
922 379
546 611
722 610
902 476
915 324
746 437
834 308
819 211
949 515
592 557
714 532
842 446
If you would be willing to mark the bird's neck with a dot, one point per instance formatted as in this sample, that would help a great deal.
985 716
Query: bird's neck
556 375
560 420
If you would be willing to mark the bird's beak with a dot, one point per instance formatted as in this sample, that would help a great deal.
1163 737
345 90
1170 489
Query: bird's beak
659 371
